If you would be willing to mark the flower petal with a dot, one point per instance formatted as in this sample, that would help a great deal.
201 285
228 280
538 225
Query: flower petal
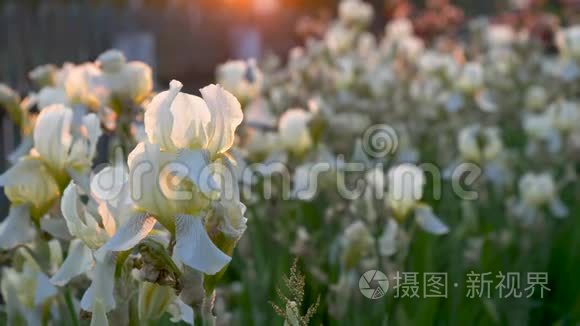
89 232
8 285
78 261
194 247
110 189
429 222
558 208
190 129
52 138
21 150
136 228
44 289
103 286
158 117
226 116
181 312
388 240
16 228
92 127
198 170
99 315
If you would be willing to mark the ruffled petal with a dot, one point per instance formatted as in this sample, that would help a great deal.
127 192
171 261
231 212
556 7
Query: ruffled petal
79 260
226 116
190 130
52 138
194 247
16 228
429 222
158 117
136 228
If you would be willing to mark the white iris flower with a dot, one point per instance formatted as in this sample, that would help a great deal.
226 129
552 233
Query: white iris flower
185 134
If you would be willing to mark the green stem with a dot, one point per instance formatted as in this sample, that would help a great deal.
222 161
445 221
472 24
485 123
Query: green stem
70 307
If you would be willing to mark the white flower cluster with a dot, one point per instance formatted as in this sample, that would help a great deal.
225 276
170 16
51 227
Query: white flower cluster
180 175
498 105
